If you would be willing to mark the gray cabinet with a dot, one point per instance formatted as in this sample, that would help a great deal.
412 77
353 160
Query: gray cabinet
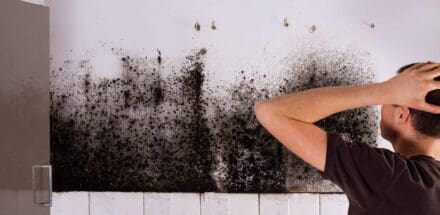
25 186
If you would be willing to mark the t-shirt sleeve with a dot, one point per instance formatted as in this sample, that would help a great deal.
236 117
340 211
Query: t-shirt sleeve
360 170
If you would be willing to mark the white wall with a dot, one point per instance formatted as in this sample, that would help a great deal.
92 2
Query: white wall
250 34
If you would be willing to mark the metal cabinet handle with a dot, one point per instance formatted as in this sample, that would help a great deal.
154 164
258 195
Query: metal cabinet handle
49 168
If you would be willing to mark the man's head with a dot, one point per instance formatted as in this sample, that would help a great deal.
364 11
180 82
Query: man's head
404 122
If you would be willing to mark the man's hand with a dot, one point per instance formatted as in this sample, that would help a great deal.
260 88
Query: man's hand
410 87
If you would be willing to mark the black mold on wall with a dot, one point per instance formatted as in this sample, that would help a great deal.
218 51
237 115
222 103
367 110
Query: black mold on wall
252 160
139 132
148 130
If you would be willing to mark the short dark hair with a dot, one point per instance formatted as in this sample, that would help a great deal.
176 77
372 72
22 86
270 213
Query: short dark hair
426 123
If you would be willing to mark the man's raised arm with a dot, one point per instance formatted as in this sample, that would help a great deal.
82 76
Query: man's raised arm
289 118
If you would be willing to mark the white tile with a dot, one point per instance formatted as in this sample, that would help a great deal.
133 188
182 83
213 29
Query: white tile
102 203
229 204
274 204
157 203
185 204
70 203
303 204
115 203
130 203
333 204
243 204
215 203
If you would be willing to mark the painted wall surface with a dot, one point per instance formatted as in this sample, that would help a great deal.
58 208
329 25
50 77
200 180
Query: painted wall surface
158 95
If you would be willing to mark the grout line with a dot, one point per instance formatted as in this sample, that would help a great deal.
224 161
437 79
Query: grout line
259 206
319 204
229 203
170 206
200 203
88 195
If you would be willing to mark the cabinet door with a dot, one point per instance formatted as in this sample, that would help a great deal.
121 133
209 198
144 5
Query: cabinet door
25 186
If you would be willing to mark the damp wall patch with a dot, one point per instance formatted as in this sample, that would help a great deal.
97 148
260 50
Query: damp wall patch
155 128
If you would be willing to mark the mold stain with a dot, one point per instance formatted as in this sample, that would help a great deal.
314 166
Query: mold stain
142 131
254 160
151 131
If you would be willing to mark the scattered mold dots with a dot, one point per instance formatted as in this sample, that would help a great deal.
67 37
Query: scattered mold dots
213 27
142 131
151 130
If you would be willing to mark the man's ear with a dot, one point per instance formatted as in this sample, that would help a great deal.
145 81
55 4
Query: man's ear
402 114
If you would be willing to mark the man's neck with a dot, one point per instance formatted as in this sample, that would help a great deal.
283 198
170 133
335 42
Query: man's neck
409 147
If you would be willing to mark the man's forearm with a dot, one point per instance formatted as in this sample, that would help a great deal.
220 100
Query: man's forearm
315 104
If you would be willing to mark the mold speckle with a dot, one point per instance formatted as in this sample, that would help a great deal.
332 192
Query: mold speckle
285 22
159 57
197 26
312 28
202 51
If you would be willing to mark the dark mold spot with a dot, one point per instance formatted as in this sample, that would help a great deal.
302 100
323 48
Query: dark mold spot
197 26
312 28
159 57
202 51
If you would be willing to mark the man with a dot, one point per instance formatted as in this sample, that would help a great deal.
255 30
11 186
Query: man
375 180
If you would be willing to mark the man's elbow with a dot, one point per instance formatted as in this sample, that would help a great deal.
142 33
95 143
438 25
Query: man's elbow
261 109
257 106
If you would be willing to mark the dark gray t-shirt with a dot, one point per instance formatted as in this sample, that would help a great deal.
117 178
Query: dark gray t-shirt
380 181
